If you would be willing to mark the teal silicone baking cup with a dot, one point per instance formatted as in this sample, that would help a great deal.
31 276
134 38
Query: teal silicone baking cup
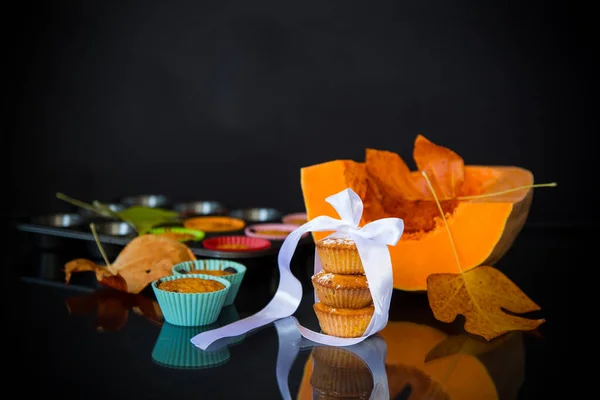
213 264
191 309
173 348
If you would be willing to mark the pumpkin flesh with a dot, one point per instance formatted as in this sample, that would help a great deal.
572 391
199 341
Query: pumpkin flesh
483 229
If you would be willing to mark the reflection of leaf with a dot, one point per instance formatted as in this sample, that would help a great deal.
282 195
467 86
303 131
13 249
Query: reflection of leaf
112 308
481 295
419 385
144 259
146 218
464 344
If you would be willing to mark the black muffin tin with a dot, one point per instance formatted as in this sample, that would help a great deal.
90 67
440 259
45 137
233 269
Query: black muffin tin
51 230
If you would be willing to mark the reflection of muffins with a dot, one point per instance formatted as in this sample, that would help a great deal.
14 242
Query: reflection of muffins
338 373
174 350
342 291
343 322
191 300
339 256
216 265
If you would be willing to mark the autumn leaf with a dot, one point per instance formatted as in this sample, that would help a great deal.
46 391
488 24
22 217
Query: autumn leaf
466 344
144 259
481 295
145 218
445 168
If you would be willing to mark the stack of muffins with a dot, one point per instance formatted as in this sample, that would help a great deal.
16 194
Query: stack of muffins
345 305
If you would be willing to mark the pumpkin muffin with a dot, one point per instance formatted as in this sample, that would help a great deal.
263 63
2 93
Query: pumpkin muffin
338 373
191 300
339 256
342 291
343 322
229 270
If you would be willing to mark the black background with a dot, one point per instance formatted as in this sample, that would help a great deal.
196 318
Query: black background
227 100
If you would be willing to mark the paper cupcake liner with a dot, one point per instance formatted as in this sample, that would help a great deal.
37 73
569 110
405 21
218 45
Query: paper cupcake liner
342 325
173 348
341 382
340 260
236 243
197 235
255 231
343 298
191 309
215 265
337 357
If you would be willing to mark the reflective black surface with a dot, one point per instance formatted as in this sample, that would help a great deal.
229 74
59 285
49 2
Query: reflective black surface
85 341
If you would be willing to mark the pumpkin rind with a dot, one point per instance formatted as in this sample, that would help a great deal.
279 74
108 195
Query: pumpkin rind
483 229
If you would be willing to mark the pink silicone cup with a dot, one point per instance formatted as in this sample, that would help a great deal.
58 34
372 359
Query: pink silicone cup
253 230
287 219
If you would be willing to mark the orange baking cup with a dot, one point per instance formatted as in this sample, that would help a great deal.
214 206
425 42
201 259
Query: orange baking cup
214 224
236 243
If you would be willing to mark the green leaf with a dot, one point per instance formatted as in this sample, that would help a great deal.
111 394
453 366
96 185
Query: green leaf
146 218
140 218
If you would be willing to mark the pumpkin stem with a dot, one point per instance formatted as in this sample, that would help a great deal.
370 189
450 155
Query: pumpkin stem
108 266
480 196
444 218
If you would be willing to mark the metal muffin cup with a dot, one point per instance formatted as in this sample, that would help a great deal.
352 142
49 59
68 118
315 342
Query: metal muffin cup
146 200
59 220
199 208
261 214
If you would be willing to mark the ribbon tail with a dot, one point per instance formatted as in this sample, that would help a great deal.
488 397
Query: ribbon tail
287 297
288 337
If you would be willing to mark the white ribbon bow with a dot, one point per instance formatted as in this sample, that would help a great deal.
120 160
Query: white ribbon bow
371 242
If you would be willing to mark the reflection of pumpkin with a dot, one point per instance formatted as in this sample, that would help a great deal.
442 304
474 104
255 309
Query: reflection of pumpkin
459 376
483 229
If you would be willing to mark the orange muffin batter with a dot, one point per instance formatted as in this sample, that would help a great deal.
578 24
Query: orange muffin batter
271 232
191 285
176 235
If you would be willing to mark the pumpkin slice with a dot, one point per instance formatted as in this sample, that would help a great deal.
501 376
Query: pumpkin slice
483 228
